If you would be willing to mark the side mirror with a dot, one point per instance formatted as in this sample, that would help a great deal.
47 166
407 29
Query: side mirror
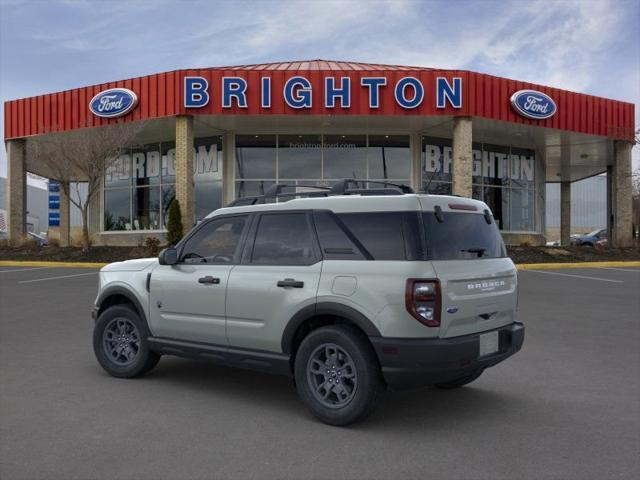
168 256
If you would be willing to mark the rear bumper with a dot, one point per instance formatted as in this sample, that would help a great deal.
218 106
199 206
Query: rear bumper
409 363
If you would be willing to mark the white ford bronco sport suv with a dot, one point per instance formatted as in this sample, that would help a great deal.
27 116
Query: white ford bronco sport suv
348 290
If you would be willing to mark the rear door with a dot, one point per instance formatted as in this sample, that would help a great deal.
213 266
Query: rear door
187 300
279 275
478 282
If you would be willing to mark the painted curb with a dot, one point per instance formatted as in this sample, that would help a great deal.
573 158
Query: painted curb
18 263
550 266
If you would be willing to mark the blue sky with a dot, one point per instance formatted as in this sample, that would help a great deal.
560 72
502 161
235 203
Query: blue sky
582 45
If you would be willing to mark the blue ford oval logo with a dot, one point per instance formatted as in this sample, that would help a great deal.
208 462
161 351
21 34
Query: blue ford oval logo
533 104
452 309
114 102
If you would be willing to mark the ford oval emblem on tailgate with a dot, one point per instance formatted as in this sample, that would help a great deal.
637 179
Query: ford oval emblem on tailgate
452 309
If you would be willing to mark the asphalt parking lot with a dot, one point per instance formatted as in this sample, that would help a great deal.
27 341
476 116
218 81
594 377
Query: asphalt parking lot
567 406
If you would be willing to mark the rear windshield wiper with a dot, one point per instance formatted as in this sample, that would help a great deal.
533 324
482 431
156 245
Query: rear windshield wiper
479 250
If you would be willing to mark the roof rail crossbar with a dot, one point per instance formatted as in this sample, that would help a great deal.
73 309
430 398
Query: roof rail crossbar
344 187
275 191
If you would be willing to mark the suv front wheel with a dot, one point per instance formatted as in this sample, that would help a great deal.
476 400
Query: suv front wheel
120 343
337 375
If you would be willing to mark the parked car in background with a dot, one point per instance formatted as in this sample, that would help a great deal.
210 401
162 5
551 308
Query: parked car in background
590 239
41 239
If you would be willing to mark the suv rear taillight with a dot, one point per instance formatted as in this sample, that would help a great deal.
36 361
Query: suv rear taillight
422 299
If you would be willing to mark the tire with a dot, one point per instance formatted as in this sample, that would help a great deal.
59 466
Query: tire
340 354
459 382
131 358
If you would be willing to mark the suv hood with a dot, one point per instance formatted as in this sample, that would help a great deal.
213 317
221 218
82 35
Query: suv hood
130 265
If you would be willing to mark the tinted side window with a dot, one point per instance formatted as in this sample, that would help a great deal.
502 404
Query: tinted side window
215 242
334 241
283 239
386 235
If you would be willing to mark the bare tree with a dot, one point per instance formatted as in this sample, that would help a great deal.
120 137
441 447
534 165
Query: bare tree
82 156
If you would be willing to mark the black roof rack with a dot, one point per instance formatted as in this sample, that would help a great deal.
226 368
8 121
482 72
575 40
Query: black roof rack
276 191
348 186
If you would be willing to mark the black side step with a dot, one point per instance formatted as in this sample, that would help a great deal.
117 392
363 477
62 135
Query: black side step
270 362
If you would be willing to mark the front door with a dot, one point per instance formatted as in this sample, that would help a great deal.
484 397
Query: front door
187 300
279 275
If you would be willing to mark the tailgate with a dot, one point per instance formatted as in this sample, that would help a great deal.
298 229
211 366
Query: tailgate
477 295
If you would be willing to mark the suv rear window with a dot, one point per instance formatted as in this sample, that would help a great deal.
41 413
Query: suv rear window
462 236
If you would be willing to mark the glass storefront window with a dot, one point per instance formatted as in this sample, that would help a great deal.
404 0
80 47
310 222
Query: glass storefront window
253 188
146 208
168 162
117 205
503 177
344 156
255 156
168 194
521 205
118 174
522 167
497 200
388 157
299 156
145 163
152 168
436 160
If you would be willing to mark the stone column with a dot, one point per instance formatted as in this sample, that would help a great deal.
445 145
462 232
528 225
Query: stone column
621 192
228 168
16 191
65 217
462 156
415 147
184 170
565 213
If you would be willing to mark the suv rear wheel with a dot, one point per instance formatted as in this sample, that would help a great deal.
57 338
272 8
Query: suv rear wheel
120 343
337 375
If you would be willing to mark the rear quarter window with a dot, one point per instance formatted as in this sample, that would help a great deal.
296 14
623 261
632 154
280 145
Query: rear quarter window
386 235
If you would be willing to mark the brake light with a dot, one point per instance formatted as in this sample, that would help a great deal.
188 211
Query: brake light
422 299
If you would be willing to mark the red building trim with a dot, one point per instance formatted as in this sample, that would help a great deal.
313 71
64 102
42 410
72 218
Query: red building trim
161 95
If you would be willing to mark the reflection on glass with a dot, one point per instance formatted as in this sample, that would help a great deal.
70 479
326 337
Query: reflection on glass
252 188
345 156
299 156
117 215
389 157
522 209
438 188
118 173
168 162
522 166
168 194
207 161
146 208
145 165
495 165
436 159
497 200
208 198
256 156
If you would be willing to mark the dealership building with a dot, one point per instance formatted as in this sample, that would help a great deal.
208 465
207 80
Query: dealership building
212 135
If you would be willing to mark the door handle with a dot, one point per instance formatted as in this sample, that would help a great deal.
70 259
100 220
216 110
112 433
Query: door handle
209 280
290 282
